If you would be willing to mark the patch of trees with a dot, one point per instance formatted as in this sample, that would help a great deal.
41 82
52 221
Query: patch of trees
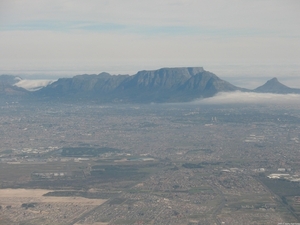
28 205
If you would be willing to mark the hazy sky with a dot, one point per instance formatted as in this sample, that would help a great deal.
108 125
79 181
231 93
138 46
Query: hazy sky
228 37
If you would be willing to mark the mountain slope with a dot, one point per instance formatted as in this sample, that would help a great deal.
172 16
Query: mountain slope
161 85
274 86
165 78
82 86
7 88
207 84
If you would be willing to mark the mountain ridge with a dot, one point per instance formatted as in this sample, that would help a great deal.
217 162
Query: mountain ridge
162 85
180 84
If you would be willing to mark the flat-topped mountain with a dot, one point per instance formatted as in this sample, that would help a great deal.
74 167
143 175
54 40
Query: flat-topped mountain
163 85
274 86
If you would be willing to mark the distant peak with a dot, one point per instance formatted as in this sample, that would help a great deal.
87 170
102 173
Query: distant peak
274 86
274 80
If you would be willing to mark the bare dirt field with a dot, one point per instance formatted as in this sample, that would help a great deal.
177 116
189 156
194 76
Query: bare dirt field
18 205
34 193
92 223
17 196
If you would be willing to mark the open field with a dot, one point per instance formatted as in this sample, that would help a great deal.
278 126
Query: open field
16 196
97 223
19 205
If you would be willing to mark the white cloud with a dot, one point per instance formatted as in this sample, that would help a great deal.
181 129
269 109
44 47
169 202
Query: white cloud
251 98
33 85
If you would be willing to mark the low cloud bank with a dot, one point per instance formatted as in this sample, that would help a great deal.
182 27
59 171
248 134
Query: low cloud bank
33 85
251 98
